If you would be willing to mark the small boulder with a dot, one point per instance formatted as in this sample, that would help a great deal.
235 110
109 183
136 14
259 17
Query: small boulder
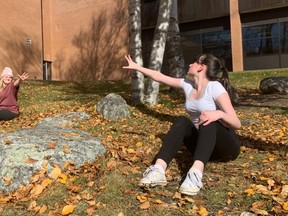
270 85
113 107
234 95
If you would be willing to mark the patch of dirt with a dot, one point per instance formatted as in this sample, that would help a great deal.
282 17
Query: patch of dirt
255 100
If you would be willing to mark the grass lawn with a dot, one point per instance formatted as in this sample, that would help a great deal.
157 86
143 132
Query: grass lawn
255 182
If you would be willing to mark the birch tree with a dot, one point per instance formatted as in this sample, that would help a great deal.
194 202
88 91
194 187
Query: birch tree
158 49
173 47
135 49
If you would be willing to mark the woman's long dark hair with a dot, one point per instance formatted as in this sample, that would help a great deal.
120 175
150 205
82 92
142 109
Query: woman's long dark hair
216 71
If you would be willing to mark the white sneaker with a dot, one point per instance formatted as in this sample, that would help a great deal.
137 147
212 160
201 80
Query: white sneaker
152 177
192 183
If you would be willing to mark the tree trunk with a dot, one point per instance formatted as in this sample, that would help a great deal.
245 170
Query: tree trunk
174 49
135 49
158 49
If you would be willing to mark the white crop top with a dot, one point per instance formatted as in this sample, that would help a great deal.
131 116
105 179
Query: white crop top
194 107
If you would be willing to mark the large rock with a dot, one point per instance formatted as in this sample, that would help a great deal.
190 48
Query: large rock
113 107
270 85
234 96
23 152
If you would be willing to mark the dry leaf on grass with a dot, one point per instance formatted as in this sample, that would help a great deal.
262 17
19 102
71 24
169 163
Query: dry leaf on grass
68 209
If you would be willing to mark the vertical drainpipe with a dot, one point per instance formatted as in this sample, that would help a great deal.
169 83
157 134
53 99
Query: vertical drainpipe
42 41
236 36
46 39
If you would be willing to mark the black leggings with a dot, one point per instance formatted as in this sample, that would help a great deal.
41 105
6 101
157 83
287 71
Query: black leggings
212 142
7 115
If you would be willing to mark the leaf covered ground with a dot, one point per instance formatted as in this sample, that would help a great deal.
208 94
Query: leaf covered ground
256 182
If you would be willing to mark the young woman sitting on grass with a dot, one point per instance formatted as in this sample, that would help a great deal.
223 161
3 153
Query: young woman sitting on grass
9 108
209 132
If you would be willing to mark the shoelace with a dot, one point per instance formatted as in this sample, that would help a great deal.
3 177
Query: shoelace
150 169
195 179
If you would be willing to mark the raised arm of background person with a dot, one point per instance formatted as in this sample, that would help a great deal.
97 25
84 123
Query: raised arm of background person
155 75
21 78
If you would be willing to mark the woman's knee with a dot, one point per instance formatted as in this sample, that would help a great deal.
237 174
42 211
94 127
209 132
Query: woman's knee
182 120
182 123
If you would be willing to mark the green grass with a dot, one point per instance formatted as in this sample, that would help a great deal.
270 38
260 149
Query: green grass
251 79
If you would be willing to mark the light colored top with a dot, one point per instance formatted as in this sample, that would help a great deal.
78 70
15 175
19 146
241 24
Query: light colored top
207 101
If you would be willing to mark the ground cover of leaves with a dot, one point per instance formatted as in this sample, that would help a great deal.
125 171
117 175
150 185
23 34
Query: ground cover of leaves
256 182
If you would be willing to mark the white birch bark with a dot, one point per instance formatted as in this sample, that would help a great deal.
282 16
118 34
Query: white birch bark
135 49
158 48
174 49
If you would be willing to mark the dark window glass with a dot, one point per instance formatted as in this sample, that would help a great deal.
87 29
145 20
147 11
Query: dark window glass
284 44
262 39
217 43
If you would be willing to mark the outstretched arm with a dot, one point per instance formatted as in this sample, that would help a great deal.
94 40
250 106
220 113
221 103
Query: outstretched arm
155 75
21 78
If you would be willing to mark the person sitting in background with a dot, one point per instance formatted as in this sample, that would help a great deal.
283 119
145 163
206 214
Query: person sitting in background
9 108
208 133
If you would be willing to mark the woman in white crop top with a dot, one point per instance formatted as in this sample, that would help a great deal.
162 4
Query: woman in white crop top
209 133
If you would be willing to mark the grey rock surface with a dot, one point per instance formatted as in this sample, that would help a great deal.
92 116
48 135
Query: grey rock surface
113 107
69 144
270 85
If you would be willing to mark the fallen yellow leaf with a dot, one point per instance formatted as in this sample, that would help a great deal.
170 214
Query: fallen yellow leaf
30 160
7 180
43 209
66 149
139 144
46 182
51 145
32 205
152 136
34 179
144 205
62 178
249 192
202 211
55 173
285 206
220 212
141 199
158 201
6 141
68 209
36 190
259 211
130 151
4 200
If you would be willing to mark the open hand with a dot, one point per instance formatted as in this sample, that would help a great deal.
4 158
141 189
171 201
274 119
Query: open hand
131 64
23 76
209 116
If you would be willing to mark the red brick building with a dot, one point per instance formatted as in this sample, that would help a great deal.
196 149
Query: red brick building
64 39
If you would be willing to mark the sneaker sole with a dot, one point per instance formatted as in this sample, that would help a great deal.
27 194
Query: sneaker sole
187 192
152 184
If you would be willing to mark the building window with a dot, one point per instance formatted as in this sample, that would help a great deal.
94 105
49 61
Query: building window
215 41
265 39
261 40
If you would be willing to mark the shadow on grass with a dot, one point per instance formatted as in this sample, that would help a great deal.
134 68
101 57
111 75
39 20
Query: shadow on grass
263 146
